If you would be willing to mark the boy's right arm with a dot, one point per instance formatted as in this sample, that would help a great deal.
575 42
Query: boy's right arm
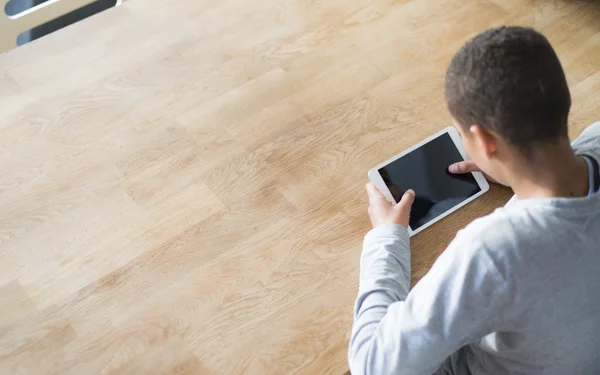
589 139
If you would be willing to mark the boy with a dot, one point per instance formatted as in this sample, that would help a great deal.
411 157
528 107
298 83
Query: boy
516 292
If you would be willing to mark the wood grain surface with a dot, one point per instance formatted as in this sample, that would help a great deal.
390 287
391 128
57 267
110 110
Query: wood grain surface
182 182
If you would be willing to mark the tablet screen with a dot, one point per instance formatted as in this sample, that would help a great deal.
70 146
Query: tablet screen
425 170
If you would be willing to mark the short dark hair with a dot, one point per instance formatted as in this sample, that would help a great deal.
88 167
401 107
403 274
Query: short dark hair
509 80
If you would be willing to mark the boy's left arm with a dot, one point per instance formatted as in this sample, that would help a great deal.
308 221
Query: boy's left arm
400 332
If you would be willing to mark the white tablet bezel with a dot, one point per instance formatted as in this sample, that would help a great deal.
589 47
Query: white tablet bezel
375 177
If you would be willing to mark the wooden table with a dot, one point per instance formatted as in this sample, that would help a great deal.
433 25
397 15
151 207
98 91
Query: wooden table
181 183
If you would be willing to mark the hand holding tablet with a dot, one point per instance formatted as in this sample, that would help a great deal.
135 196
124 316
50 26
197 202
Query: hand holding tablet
382 212
424 169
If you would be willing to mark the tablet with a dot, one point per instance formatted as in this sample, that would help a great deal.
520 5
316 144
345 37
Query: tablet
424 168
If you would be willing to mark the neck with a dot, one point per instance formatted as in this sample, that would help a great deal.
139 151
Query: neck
553 172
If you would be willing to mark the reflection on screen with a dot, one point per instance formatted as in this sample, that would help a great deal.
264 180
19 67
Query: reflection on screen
425 170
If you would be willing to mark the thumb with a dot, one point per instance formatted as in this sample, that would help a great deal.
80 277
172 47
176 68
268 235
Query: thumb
463 167
406 202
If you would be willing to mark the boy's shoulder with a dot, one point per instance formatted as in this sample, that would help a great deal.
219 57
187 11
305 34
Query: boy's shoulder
588 141
495 226
490 242
500 233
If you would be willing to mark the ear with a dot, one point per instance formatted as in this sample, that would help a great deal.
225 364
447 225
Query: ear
485 139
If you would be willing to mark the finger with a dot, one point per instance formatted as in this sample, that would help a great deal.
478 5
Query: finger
403 207
407 200
374 193
463 167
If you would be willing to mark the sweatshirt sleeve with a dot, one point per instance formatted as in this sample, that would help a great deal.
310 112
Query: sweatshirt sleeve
397 331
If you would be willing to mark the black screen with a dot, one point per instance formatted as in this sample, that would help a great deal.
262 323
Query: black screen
425 170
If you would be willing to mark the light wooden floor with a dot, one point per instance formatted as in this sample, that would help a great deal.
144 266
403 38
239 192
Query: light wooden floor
182 182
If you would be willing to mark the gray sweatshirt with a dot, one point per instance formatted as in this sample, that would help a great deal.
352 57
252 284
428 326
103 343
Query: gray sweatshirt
516 292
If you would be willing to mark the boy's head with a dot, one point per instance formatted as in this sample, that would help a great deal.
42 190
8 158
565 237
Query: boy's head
507 92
